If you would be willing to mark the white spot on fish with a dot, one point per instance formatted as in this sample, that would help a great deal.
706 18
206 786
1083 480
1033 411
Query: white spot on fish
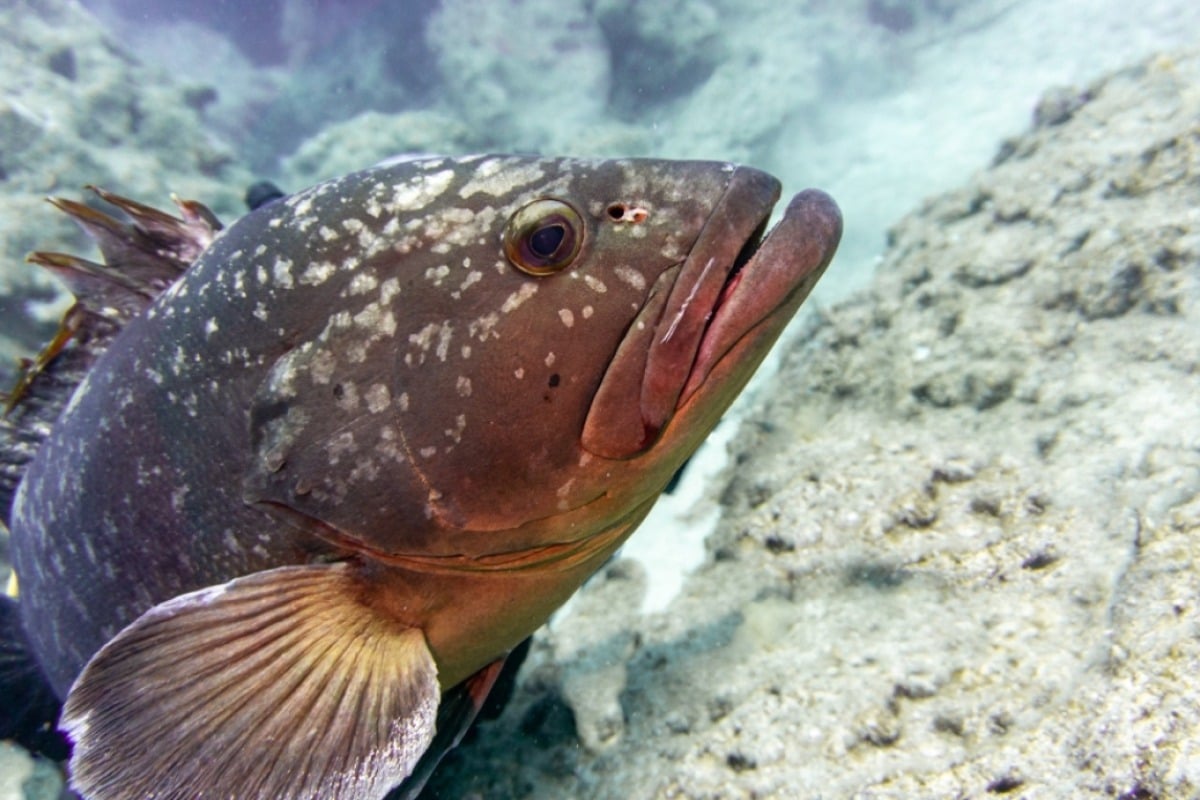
463 386
550 359
317 273
362 283
210 326
595 284
437 274
342 444
484 327
443 346
327 233
420 191
492 177
514 300
301 202
632 277
388 289
519 373
566 316
455 433
587 312
323 364
282 272
473 277
349 399
378 398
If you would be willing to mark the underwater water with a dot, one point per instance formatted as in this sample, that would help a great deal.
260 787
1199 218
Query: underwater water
912 560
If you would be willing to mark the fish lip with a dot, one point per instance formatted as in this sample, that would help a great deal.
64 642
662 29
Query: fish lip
716 312
766 286
728 241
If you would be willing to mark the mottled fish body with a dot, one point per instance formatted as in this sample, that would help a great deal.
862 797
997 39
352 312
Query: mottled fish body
367 443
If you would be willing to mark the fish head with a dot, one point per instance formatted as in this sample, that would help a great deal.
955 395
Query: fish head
534 349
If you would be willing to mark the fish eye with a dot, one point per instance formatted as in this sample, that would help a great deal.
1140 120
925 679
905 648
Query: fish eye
543 237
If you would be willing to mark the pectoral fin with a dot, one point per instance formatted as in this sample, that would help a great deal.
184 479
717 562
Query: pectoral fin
280 685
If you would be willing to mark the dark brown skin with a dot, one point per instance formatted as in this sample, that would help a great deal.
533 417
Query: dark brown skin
465 380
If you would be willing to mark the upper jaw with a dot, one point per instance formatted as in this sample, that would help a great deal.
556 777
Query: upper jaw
776 278
647 374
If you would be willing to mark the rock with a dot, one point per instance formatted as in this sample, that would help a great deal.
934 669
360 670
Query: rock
77 109
961 536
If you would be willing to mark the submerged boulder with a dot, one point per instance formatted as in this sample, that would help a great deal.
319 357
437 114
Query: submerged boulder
960 542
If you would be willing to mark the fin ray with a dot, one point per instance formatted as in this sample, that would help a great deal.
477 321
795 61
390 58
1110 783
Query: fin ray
283 684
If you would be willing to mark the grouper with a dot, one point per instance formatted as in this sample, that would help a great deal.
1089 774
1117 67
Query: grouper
335 461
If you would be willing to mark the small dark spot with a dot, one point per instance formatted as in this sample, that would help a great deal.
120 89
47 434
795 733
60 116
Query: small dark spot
338 391
1007 149
877 576
1005 784
136 116
62 62
548 719
777 544
616 211
199 98
891 16
260 193
952 725
719 708
989 506
1040 559
1000 722
555 380
914 690
739 762
1138 792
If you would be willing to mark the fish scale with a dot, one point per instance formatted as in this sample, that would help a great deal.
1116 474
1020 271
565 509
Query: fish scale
367 442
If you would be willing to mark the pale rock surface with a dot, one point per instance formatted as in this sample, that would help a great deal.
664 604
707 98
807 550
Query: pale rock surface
959 556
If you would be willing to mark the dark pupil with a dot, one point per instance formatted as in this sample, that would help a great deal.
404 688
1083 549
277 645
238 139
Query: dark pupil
545 241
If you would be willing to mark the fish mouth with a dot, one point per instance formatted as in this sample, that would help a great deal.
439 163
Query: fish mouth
735 291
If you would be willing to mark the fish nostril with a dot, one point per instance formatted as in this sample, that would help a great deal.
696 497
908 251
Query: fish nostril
623 212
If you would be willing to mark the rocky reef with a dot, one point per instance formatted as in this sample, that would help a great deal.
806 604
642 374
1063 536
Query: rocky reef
959 553
957 548
77 109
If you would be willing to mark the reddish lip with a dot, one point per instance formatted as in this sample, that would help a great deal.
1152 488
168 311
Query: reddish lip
773 282
728 286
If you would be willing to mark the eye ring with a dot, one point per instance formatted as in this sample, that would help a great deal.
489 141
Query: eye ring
543 237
